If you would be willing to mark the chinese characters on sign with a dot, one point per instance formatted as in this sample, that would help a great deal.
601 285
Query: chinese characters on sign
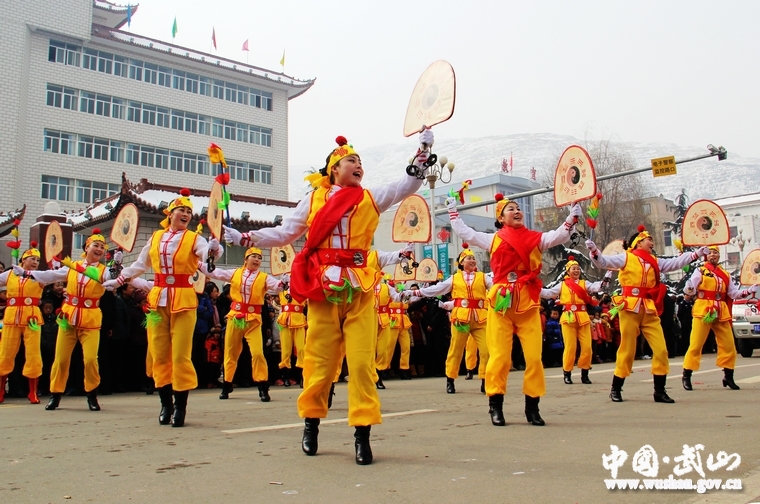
664 166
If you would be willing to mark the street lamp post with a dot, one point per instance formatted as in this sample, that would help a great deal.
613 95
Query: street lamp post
739 241
436 172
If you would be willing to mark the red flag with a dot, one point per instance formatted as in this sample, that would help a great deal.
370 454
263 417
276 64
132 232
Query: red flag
510 161
213 36
245 45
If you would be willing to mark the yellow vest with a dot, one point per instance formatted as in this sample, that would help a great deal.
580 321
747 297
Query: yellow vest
258 290
291 319
710 283
401 319
566 296
460 290
362 222
19 314
383 297
632 275
521 300
184 262
85 317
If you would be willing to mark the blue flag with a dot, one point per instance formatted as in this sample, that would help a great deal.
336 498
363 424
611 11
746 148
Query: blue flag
129 15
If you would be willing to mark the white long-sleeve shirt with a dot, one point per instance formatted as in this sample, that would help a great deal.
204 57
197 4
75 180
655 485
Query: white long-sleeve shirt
295 226
553 292
696 278
169 245
447 285
273 285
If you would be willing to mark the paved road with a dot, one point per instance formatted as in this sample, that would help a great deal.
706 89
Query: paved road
435 448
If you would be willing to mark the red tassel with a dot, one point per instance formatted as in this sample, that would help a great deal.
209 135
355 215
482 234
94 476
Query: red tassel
341 140
185 192
33 244
96 231
223 178
498 197
641 228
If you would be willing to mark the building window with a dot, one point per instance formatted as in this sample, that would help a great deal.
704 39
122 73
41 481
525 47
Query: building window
59 143
229 130
732 231
89 192
60 52
178 80
204 86
54 96
163 119
176 161
178 120
134 111
203 165
204 125
56 188
117 151
150 73
101 149
164 76
162 158
191 83
148 114
189 163
136 70
105 62
120 66
90 59
191 122
84 148
667 240
646 209
260 136
117 108
146 156
218 89
217 128
70 98
133 154
87 102
261 174
261 99
103 105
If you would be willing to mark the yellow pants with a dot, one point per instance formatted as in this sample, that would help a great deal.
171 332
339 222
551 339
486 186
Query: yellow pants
382 361
64 345
471 354
148 362
329 325
233 345
724 337
289 337
171 344
631 324
500 328
572 333
11 342
402 336
340 362
456 349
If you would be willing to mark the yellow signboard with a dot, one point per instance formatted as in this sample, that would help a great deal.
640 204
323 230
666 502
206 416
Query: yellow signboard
664 166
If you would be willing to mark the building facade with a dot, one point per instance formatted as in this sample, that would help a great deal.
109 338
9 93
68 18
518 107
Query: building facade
85 102
743 215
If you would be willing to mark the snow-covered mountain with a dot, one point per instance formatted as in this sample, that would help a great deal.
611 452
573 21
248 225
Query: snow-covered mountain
478 157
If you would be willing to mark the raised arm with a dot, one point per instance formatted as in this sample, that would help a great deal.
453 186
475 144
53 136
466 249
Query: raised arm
676 263
51 276
438 289
551 293
224 275
388 195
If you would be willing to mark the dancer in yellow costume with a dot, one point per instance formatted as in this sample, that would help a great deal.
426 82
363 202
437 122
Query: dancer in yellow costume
173 253
514 299
399 332
22 319
292 322
332 273
573 293
471 358
247 290
80 318
714 291
639 306
469 313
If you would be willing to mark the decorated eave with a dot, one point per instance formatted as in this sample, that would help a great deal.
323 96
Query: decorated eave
110 14
6 220
295 87
246 212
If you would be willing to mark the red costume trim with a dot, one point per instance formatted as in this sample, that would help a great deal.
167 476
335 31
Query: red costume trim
517 245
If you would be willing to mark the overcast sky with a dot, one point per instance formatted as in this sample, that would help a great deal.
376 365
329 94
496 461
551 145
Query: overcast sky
676 71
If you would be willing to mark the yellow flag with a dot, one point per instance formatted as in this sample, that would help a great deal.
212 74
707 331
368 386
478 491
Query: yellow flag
282 61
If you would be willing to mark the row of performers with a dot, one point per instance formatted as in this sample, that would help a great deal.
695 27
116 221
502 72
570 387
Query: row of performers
334 273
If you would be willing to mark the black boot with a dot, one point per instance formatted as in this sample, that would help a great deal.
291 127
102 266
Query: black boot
686 379
450 389
363 450
379 383
617 388
483 386
165 416
659 389
404 374
92 400
728 379
495 409
286 377
531 411
584 377
470 374
226 389
150 386
568 379
55 400
264 392
180 408
330 396
309 443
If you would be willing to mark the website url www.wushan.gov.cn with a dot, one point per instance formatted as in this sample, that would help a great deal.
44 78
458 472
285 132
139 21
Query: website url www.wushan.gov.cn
701 485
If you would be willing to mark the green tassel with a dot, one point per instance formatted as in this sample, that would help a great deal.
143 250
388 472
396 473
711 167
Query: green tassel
14 253
615 310
593 212
463 328
92 273
503 302
225 201
239 323
152 319
280 326
393 323
570 317
340 288
710 317
63 322
33 325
